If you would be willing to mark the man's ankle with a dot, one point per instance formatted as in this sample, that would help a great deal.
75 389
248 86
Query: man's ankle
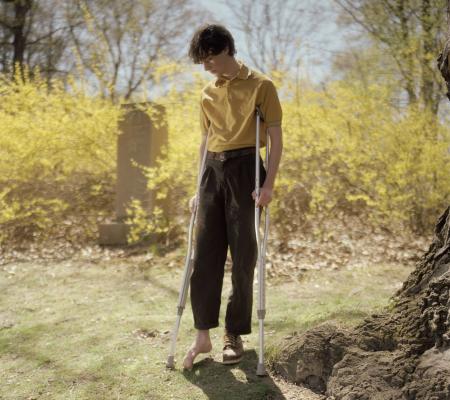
203 334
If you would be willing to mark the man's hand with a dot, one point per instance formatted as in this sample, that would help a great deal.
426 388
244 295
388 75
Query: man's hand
193 203
265 197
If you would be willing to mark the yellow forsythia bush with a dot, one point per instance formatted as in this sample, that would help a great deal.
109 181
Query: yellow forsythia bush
57 160
347 150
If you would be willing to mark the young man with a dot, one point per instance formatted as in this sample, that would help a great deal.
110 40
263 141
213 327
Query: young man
227 197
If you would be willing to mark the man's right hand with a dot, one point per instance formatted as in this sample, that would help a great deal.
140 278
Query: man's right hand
193 202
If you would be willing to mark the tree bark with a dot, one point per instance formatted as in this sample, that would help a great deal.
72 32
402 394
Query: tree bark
403 353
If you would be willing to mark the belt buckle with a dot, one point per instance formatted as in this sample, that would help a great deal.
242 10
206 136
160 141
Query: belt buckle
222 157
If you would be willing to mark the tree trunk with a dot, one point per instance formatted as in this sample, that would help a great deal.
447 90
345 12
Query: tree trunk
403 353
21 8
443 59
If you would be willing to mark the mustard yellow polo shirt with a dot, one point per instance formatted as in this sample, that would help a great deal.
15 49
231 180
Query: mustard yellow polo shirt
227 109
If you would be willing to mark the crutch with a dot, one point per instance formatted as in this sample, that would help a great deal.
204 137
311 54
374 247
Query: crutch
261 311
188 267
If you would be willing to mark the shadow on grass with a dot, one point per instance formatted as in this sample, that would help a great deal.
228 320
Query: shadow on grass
163 286
233 382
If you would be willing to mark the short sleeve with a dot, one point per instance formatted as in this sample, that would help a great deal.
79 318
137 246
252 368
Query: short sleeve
204 121
270 104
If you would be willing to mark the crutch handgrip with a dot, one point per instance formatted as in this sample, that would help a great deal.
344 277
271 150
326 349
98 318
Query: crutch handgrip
259 112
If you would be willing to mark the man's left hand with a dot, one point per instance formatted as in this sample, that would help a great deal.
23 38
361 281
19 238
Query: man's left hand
265 197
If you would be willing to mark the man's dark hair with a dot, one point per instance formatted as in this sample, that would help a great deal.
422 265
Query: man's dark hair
210 40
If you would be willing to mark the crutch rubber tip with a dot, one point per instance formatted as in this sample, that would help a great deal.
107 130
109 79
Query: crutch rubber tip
170 362
261 370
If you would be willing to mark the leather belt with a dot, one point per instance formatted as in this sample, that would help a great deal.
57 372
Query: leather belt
226 155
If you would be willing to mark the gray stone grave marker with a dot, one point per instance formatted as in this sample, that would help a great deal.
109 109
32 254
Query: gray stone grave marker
140 139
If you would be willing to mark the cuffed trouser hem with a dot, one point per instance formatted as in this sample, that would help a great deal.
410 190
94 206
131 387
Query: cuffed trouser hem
237 332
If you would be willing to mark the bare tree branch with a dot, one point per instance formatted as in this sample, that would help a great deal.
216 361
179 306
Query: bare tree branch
409 30
273 31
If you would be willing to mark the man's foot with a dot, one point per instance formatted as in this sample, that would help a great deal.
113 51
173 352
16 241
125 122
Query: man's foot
202 344
233 349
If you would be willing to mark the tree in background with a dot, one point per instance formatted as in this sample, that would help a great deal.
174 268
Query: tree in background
114 45
406 33
32 35
274 30
119 43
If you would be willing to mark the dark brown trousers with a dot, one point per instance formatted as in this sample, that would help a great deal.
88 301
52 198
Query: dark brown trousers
225 219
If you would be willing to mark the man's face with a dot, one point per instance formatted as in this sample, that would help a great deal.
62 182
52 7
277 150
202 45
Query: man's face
216 64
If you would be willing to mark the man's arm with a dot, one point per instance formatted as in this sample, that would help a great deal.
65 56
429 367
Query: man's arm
275 150
202 149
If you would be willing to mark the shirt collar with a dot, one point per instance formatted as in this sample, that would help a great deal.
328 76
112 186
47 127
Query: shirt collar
243 73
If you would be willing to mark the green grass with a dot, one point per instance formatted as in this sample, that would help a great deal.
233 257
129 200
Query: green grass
81 330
